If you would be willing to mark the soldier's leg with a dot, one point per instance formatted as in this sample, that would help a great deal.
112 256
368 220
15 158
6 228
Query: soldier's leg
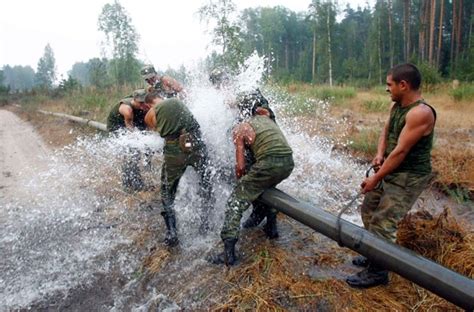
369 205
400 193
172 170
203 166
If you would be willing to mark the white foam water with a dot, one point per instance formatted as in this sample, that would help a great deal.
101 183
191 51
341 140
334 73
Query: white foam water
64 231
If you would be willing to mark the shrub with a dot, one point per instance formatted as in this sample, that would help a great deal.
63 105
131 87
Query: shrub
465 92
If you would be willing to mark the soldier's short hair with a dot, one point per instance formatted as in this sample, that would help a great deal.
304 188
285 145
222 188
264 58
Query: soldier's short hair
407 72
152 95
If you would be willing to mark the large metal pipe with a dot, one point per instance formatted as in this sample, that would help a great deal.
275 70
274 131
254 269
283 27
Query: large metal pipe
87 122
446 283
438 279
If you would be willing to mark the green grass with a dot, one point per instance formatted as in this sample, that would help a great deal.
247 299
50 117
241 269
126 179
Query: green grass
335 95
463 93
365 142
459 194
376 106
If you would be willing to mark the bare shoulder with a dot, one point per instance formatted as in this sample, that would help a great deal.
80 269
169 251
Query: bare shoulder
241 129
125 109
421 114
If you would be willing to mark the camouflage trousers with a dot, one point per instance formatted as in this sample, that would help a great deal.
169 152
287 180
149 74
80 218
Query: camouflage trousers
383 208
173 168
264 174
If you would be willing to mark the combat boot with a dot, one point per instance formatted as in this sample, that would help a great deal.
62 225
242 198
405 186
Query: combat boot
228 256
370 277
270 227
360 261
171 237
255 218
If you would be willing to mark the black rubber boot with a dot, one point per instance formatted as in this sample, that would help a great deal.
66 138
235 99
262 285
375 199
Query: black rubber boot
171 238
255 218
270 227
360 261
228 256
370 277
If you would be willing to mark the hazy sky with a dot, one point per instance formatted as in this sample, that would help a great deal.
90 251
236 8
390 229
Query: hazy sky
170 31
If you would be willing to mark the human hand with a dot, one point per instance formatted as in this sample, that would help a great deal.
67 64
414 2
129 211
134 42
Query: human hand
369 184
262 111
377 162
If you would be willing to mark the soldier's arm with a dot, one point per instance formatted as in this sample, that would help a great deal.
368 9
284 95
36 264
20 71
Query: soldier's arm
127 113
382 143
242 134
171 83
150 119
419 122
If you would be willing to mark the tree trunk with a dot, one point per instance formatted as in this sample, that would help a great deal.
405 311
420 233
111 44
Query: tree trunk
432 28
453 34
459 30
313 69
379 34
440 34
424 11
329 41
406 28
390 32
287 56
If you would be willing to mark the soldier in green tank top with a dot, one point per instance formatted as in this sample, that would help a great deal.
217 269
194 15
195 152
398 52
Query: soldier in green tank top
403 163
130 113
274 163
184 147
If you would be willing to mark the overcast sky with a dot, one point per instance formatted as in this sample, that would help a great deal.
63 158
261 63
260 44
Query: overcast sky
170 31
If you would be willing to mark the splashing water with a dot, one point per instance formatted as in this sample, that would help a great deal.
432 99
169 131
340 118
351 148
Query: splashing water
75 218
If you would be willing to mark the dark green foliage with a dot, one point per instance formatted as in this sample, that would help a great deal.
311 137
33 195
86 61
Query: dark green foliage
122 39
18 78
46 71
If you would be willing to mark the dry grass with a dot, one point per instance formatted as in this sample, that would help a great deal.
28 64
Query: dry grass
274 280
439 238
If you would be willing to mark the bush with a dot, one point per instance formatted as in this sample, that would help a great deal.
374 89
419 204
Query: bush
465 92
430 76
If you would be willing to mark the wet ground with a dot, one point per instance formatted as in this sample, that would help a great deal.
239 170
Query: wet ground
77 245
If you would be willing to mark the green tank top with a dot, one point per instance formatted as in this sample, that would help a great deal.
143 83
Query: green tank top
115 120
418 159
172 116
269 140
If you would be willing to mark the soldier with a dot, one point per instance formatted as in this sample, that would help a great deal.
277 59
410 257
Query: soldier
129 114
274 163
220 79
404 161
165 85
183 147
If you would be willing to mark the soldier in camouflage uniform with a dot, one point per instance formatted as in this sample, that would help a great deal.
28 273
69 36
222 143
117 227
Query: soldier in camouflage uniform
404 162
220 79
183 147
165 85
129 114
274 163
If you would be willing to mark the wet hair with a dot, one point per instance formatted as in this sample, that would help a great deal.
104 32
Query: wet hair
249 101
152 95
407 72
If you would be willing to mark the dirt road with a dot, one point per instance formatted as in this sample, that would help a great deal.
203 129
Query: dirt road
22 151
